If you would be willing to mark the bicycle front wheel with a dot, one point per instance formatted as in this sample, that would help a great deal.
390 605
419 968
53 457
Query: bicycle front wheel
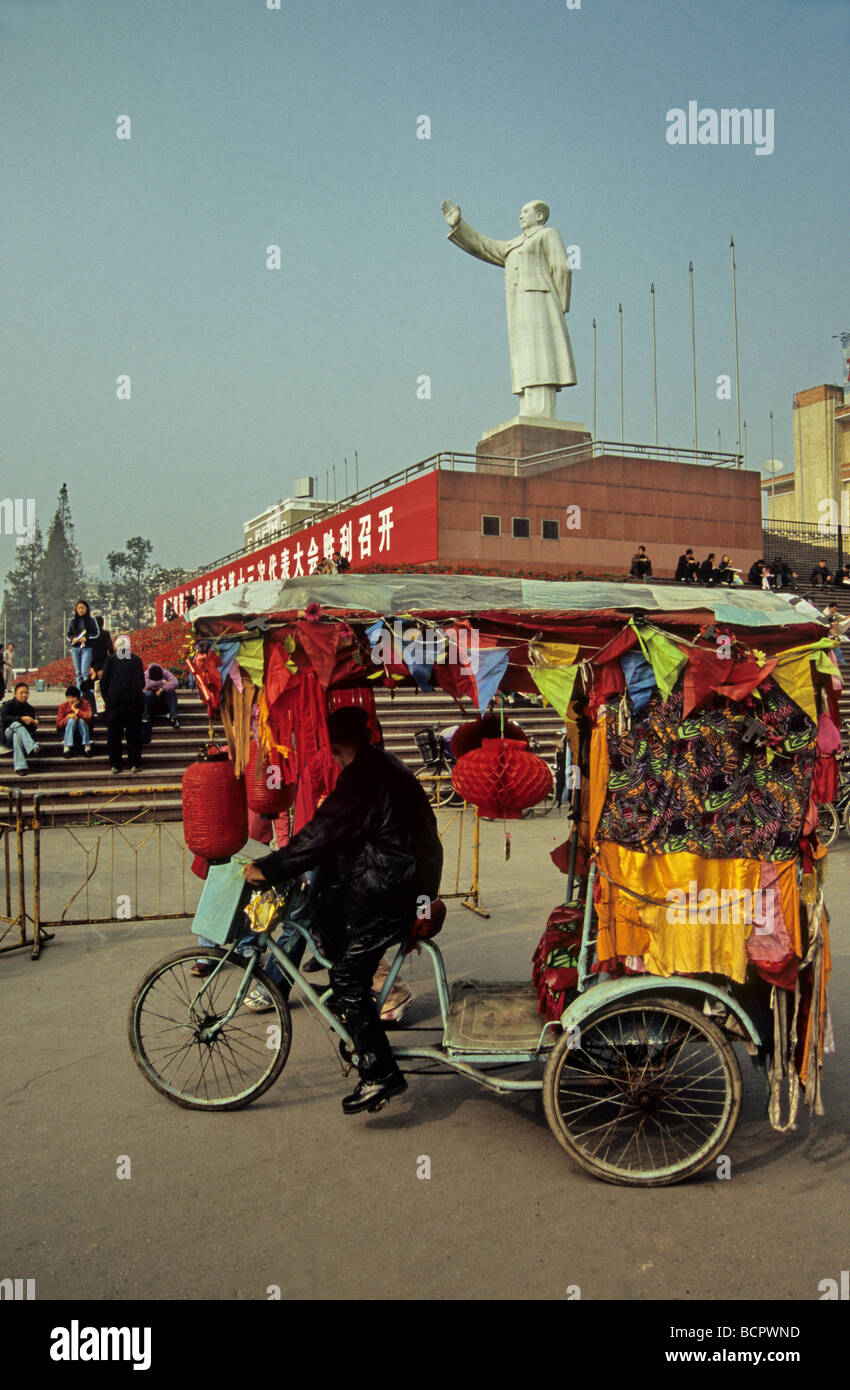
173 1012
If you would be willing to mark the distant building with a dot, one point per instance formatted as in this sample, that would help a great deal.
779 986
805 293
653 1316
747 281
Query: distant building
821 458
284 517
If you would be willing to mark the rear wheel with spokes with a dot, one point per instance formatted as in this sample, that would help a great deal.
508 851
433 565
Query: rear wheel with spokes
827 824
180 1049
646 1095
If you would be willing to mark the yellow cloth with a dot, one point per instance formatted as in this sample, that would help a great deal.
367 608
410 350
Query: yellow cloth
793 673
235 714
250 658
628 926
553 653
556 685
599 771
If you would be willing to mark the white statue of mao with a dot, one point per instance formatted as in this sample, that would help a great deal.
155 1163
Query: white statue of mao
537 290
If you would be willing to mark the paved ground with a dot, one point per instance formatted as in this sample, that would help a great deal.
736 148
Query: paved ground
291 1193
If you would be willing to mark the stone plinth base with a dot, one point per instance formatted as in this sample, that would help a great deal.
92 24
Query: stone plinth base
526 436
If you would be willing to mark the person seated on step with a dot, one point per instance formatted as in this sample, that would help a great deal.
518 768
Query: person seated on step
375 839
160 695
74 717
18 725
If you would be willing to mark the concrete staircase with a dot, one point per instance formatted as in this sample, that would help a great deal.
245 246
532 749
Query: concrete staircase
66 786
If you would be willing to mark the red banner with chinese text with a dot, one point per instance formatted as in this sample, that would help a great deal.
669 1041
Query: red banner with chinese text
397 526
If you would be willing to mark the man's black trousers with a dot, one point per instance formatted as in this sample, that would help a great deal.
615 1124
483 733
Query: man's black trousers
356 951
124 721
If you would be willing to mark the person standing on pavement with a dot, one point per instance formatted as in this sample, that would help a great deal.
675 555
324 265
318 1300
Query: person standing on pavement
122 685
8 666
19 725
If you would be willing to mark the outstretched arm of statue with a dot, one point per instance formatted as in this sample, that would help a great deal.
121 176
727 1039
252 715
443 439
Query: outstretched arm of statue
484 248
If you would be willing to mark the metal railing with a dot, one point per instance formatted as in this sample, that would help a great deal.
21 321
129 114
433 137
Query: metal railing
454 461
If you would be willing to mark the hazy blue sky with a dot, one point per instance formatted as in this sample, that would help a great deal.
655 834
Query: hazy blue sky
298 127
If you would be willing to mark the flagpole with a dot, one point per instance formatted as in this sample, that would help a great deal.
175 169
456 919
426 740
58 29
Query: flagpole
772 472
594 379
694 354
654 365
735 324
622 426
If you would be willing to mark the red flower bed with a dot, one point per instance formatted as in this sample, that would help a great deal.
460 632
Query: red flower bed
163 645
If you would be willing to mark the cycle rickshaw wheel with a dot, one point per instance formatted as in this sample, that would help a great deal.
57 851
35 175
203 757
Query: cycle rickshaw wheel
647 1094
827 824
170 1009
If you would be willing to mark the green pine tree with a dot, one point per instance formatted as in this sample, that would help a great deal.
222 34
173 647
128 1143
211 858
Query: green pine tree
61 578
130 570
22 599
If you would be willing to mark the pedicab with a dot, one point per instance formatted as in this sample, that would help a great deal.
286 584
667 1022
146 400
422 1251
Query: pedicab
692 921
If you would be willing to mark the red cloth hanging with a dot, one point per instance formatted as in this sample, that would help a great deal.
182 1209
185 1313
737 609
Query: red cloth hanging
320 642
707 673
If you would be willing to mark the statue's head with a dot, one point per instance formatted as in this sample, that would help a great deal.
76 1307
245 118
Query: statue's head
533 215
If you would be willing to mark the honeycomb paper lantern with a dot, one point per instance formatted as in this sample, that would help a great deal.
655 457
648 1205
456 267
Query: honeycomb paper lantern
501 778
473 733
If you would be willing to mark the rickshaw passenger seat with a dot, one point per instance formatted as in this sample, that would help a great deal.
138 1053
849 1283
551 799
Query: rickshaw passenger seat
424 928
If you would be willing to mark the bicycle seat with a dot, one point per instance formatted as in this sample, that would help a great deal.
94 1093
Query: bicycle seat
424 928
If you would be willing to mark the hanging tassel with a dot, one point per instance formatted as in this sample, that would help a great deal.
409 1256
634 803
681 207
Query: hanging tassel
507 843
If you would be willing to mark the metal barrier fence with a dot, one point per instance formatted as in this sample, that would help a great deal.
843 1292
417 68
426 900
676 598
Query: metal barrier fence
12 825
115 874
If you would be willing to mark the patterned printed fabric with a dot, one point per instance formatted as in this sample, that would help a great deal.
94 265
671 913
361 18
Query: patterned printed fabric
693 785
555 960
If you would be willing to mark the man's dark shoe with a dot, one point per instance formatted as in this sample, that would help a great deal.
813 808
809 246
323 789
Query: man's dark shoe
313 967
373 1095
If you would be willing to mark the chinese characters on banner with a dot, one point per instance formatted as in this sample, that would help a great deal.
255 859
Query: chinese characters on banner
398 526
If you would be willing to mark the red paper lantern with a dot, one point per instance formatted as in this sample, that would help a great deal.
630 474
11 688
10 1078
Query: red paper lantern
265 800
501 778
215 816
473 733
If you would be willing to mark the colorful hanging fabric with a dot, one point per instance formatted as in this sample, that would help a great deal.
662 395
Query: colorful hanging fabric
492 665
320 642
665 657
251 659
708 674
228 649
691 784
640 678
555 685
555 960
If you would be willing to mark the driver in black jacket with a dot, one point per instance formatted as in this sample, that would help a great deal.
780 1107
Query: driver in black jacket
375 841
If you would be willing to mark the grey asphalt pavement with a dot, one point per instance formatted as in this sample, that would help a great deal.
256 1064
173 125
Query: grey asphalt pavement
289 1193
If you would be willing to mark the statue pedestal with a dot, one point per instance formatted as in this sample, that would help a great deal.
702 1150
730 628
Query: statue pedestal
527 436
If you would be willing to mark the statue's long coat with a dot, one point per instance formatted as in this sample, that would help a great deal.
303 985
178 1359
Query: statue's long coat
537 291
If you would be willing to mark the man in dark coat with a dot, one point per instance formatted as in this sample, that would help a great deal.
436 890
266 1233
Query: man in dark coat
374 841
687 568
121 686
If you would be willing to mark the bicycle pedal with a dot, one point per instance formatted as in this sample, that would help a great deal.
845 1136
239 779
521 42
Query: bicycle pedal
382 1105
